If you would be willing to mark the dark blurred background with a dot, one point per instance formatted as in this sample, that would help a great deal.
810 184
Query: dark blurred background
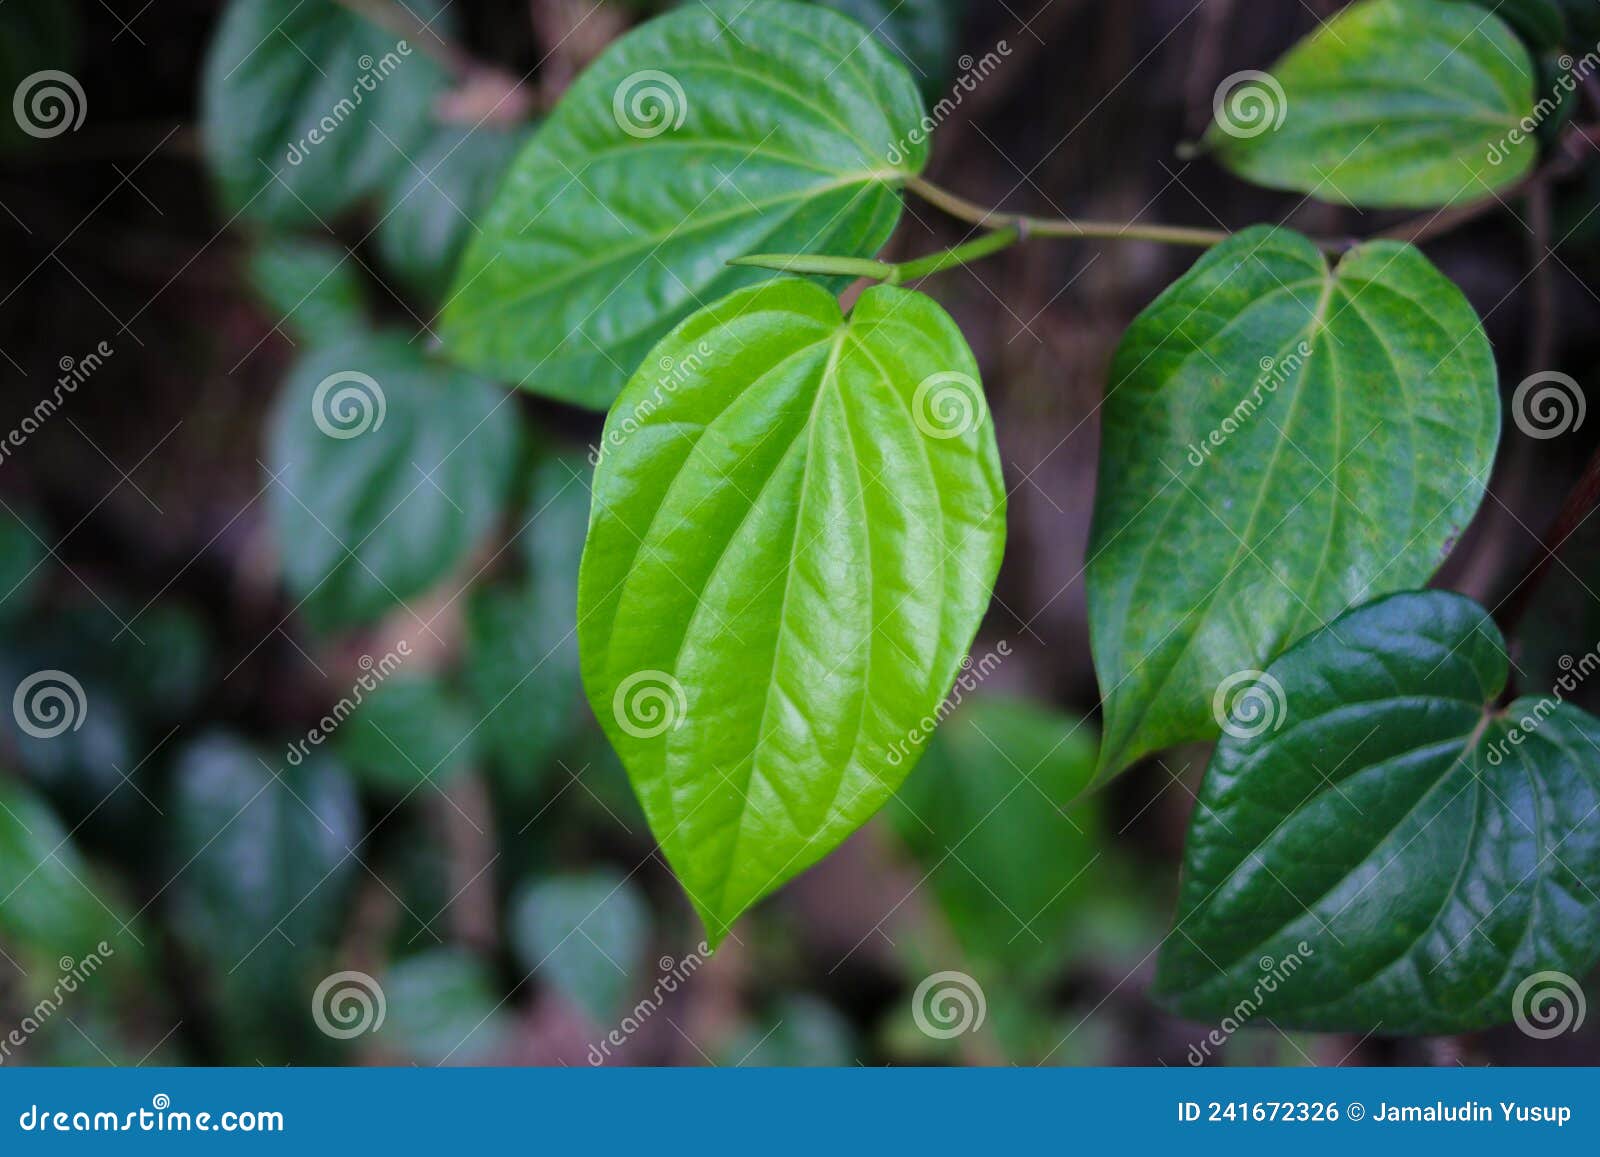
463 854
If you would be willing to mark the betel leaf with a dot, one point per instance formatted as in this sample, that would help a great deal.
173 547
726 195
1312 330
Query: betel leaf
435 202
1281 441
720 129
387 469
1542 23
309 107
985 817
411 731
1392 103
922 33
1391 851
53 905
522 654
441 1007
585 935
313 289
793 539
262 859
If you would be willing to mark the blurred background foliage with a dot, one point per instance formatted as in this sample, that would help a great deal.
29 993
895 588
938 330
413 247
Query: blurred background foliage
225 580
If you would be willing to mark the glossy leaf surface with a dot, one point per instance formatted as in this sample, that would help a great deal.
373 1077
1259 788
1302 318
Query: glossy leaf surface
1281 442
1392 103
1416 854
717 130
789 553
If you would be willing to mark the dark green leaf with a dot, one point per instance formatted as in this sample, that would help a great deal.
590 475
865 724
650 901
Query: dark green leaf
309 107
1542 23
410 731
261 870
985 815
720 129
522 661
313 289
790 552
922 33
1393 853
585 935
388 469
55 907
434 205
1280 443
1390 103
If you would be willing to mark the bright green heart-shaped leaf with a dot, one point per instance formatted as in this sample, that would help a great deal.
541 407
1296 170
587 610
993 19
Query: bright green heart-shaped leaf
1281 441
433 205
584 934
309 107
1377 849
387 468
1391 103
313 289
797 523
720 129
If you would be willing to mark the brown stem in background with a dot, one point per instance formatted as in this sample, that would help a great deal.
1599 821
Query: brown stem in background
1579 504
